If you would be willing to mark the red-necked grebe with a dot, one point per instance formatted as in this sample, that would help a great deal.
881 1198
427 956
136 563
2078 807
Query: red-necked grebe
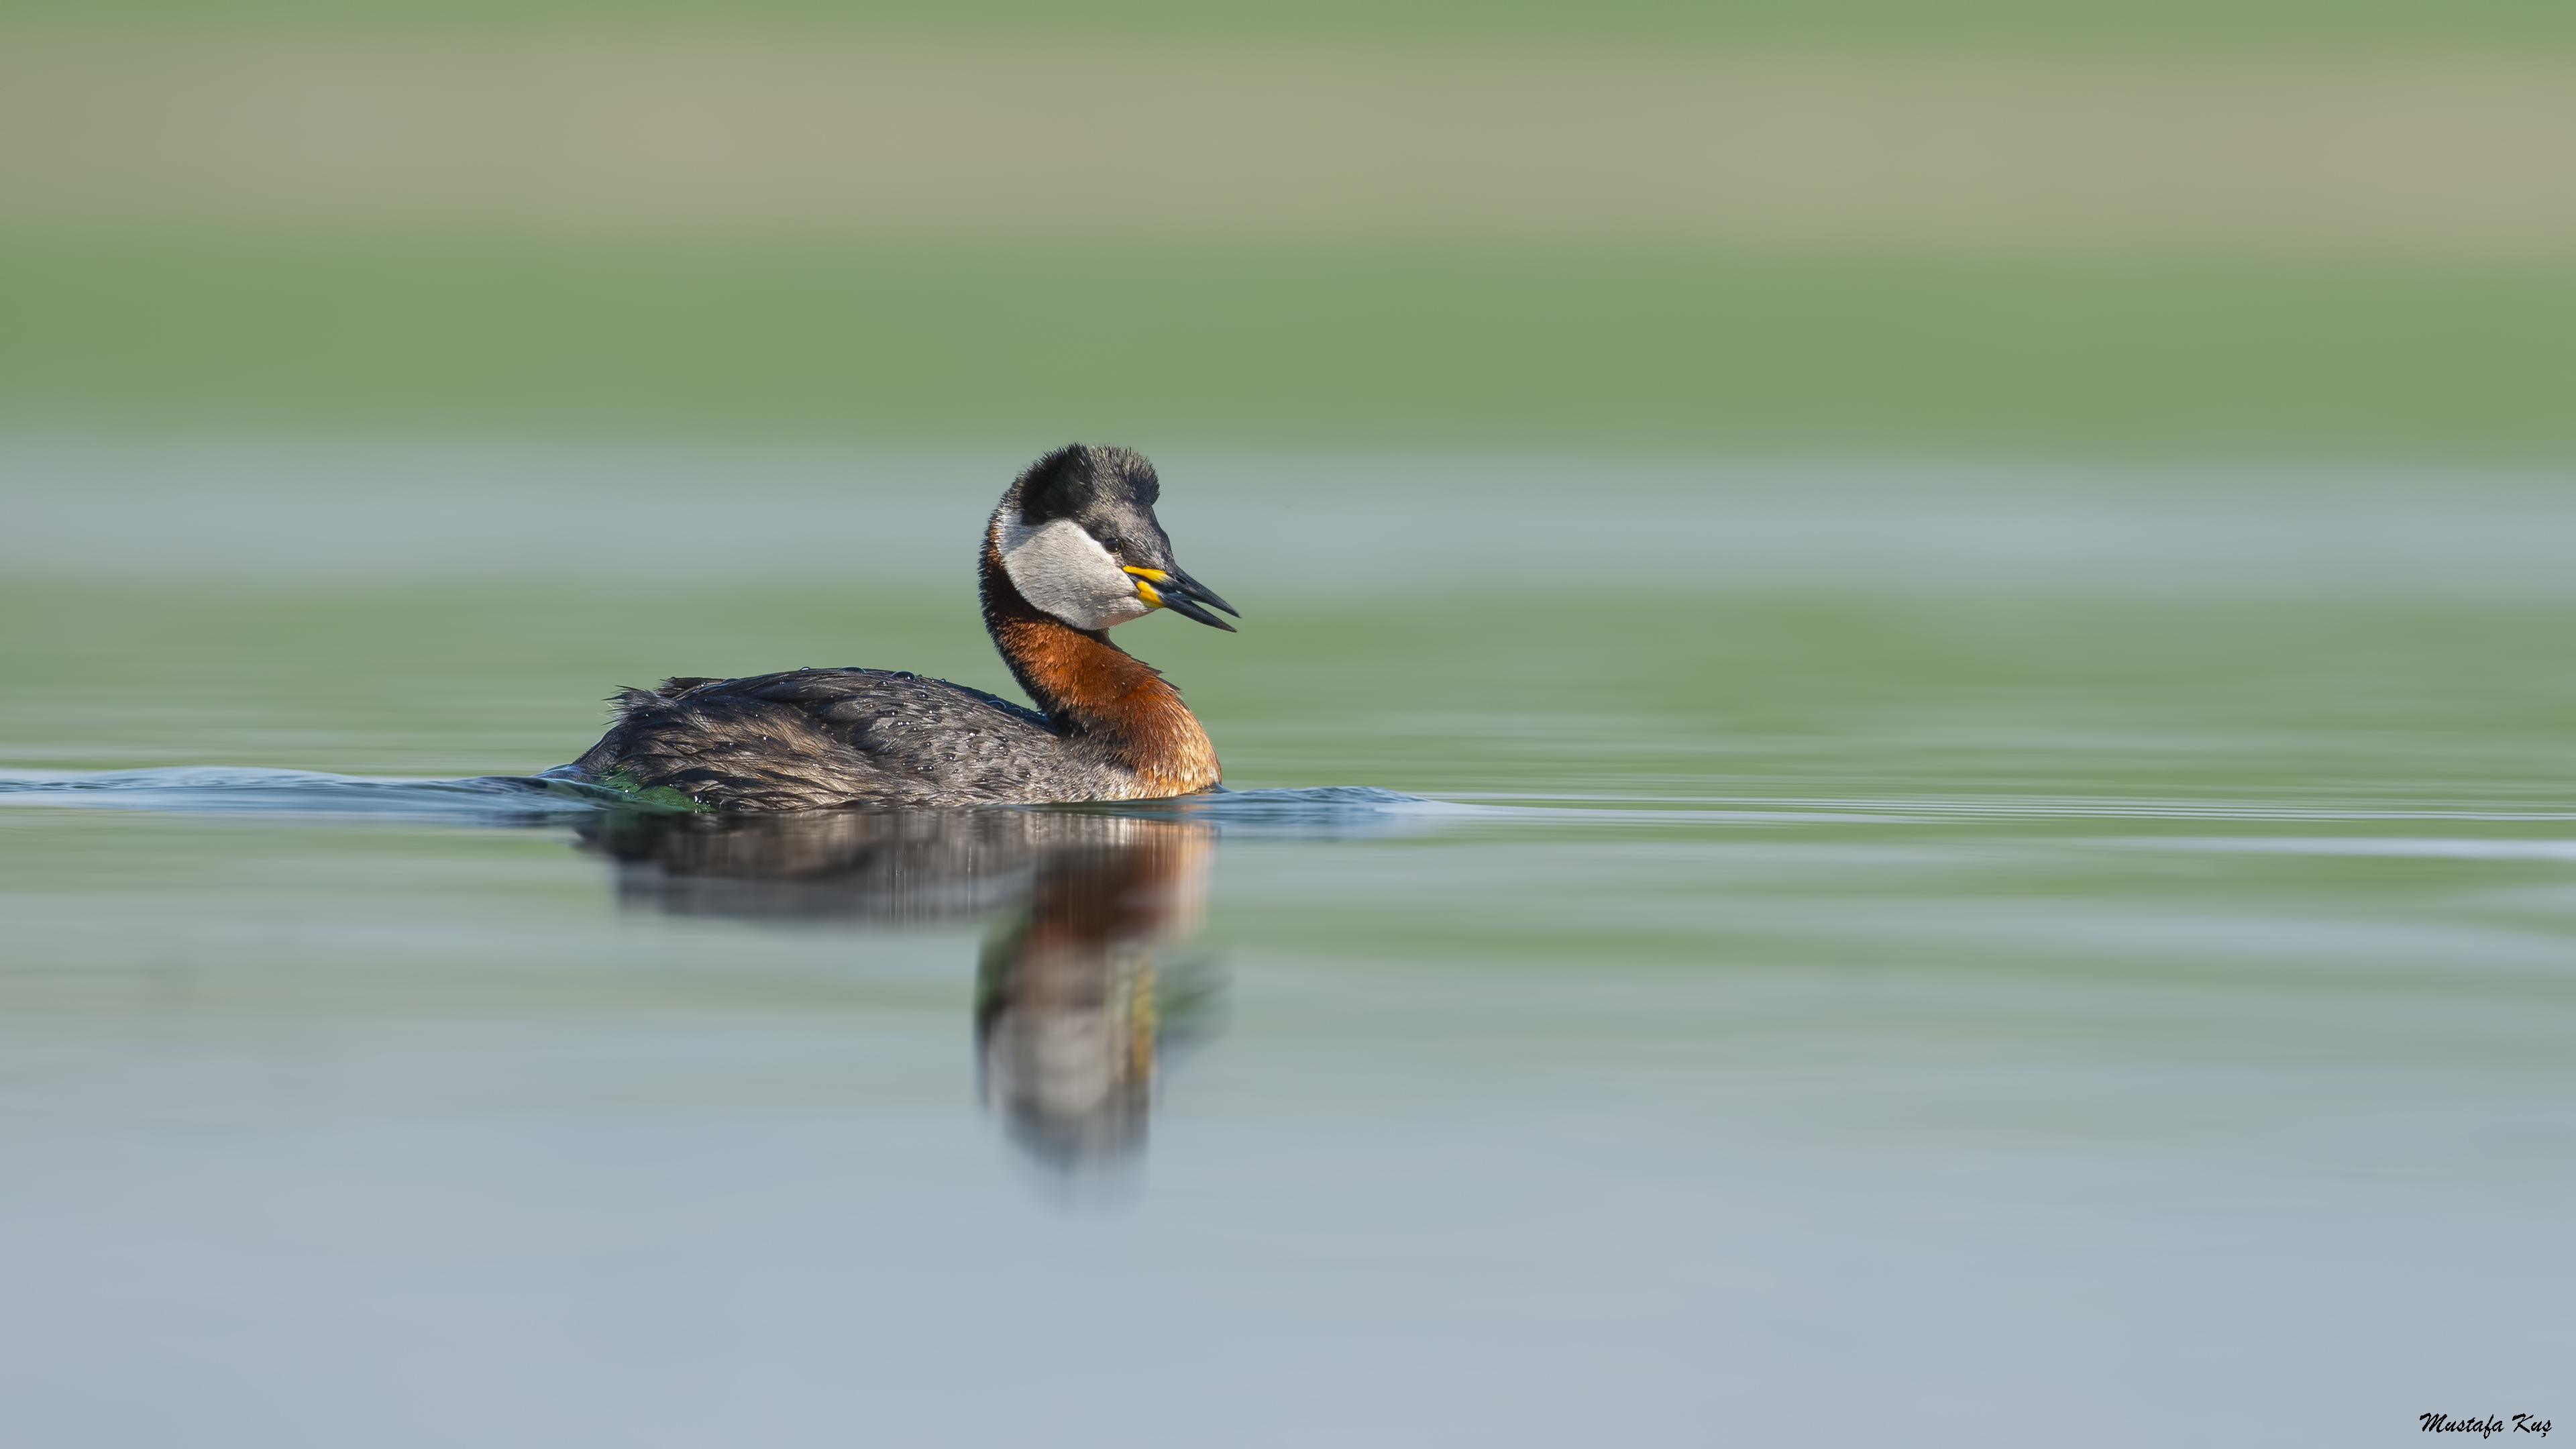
1073 551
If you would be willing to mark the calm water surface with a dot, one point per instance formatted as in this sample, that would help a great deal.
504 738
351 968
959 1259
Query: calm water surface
1948 1011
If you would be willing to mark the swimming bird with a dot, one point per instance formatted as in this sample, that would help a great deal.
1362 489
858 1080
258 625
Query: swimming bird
1072 551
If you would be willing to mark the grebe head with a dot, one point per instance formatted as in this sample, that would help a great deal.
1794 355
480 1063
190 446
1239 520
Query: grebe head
1078 537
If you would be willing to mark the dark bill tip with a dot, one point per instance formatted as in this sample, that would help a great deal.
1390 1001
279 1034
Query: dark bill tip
1173 601
1192 588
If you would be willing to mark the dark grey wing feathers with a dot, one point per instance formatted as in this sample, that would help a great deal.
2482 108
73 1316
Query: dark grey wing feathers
807 738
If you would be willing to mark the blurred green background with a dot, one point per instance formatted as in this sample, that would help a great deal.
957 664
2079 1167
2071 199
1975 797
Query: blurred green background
2272 229
1362 278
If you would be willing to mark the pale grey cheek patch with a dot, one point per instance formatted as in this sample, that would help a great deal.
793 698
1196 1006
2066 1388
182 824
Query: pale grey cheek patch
1066 572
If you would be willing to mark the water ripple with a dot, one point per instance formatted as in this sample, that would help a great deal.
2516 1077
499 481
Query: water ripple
1318 811
239 790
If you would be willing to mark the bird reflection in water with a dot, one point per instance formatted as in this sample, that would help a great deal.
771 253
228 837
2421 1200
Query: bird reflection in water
1081 990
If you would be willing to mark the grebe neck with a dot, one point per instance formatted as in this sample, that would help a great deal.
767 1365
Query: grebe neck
1098 694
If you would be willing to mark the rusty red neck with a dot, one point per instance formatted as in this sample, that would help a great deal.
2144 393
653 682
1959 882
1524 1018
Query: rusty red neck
1098 693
